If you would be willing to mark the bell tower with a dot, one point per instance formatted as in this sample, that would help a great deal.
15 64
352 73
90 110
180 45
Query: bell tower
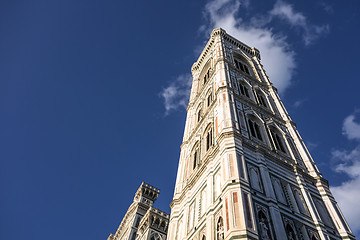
244 171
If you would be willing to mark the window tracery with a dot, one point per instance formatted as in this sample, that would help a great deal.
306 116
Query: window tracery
220 229
255 129
278 140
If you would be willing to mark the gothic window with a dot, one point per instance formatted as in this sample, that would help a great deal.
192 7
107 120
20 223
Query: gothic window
155 236
163 226
279 191
244 90
290 232
242 66
261 99
137 221
133 237
195 156
206 76
255 129
199 113
300 201
209 99
264 226
255 178
209 139
220 229
278 140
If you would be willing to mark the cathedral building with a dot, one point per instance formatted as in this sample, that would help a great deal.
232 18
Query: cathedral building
142 221
244 171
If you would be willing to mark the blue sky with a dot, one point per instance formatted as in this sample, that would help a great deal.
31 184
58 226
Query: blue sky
92 96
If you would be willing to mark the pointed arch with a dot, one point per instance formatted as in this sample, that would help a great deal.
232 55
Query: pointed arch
220 229
264 225
290 233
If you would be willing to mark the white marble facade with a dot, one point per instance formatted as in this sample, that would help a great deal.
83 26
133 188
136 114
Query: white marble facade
244 171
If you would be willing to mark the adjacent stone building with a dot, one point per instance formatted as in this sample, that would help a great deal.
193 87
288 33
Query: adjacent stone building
142 221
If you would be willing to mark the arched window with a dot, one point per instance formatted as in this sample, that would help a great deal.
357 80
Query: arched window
261 99
199 114
206 76
203 237
137 221
133 237
290 232
209 99
277 140
209 139
195 155
242 66
220 229
244 90
155 236
264 225
255 129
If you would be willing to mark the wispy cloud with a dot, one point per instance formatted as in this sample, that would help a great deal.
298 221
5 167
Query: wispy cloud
299 103
277 54
327 8
286 12
176 94
348 162
351 129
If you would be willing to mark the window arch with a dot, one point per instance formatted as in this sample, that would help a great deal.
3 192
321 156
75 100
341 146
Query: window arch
241 64
277 139
198 114
220 229
195 156
262 99
244 90
255 127
155 236
209 98
264 225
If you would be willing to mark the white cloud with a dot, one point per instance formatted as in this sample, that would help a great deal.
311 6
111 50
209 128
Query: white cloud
347 195
351 129
276 54
177 94
348 163
286 12
299 103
